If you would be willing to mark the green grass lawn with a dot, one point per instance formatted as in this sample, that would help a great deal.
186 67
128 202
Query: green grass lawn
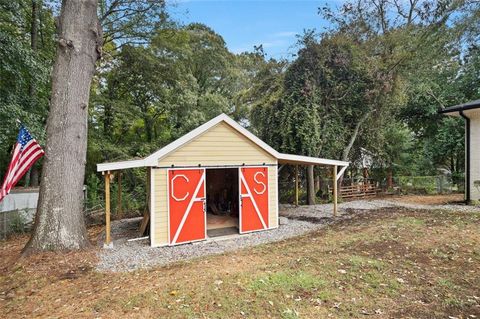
392 263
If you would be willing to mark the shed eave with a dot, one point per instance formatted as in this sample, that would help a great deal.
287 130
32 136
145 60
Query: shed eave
113 166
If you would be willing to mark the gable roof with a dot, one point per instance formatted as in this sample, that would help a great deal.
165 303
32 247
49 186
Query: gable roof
152 160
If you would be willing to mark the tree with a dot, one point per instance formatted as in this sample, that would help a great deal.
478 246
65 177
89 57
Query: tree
337 87
203 67
31 177
141 80
148 95
59 222
353 81
130 22
23 64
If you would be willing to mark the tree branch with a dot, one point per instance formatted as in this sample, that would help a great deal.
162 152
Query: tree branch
348 148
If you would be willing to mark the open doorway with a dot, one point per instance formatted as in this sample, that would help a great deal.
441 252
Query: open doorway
222 202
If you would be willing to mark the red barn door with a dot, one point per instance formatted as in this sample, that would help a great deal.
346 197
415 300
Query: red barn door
186 200
253 198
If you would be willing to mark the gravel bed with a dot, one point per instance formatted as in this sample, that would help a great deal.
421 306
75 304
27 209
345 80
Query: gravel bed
326 210
128 256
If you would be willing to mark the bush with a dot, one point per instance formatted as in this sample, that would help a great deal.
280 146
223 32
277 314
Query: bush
424 184
17 223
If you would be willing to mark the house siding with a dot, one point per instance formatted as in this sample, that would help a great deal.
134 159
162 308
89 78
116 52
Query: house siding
160 215
474 154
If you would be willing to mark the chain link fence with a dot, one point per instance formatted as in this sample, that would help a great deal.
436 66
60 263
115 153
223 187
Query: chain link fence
14 222
430 185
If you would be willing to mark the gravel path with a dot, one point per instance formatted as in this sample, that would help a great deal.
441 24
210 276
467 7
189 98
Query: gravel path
128 256
326 210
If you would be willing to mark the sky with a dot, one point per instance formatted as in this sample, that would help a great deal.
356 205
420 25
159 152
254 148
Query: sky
245 23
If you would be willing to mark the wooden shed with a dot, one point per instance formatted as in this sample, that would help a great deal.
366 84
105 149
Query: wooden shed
215 180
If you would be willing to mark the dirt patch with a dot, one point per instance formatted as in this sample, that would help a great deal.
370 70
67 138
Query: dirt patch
391 249
430 199
61 265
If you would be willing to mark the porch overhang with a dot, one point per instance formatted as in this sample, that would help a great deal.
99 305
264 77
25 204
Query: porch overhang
115 166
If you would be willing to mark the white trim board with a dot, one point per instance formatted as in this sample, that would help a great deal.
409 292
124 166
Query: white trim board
155 157
120 165
152 160
300 159
152 207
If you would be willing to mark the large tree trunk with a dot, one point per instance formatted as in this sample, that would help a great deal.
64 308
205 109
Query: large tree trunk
317 183
148 128
59 222
310 186
389 179
108 112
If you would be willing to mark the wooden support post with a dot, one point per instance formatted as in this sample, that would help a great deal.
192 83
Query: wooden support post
107 209
119 195
335 186
296 185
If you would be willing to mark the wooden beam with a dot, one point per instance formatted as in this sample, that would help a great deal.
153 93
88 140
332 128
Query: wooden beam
296 185
144 223
342 171
107 209
335 191
119 195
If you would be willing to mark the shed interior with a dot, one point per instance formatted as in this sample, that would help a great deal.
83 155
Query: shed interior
222 201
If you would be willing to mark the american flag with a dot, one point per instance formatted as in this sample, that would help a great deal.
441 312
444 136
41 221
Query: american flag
25 153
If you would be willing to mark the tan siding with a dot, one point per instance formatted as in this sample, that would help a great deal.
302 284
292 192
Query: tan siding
161 213
220 145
